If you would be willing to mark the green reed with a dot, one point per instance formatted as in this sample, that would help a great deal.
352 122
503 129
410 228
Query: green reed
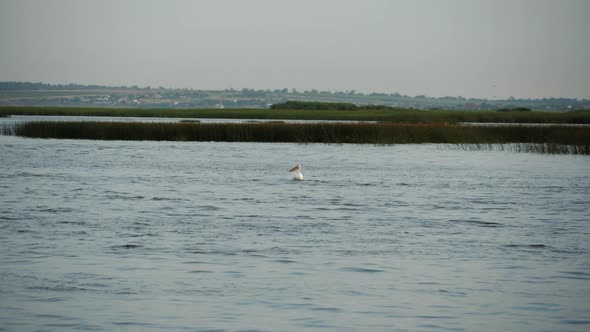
551 139
360 114
546 148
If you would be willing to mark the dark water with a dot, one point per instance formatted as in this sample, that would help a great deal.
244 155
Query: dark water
215 236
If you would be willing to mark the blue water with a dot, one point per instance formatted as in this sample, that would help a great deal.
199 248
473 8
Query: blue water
204 236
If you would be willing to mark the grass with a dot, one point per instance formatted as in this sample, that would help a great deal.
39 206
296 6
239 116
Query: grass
549 139
390 115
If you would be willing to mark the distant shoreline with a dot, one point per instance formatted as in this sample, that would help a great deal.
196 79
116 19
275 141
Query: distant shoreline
29 94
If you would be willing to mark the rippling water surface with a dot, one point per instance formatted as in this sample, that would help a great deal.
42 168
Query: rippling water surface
215 236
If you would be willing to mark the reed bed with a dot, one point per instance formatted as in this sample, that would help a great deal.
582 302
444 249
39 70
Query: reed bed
550 139
546 148
362 114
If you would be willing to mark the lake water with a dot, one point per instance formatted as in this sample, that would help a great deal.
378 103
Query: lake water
204 236
25 118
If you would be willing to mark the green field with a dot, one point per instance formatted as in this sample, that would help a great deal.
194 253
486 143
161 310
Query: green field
392 115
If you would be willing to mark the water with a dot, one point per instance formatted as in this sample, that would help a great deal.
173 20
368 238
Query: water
26 118
203 236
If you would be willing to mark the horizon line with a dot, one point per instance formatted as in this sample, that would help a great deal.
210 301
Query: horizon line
293 91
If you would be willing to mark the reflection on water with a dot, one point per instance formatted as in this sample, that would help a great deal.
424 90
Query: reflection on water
170 235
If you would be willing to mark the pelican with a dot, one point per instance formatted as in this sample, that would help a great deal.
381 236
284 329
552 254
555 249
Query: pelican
297 175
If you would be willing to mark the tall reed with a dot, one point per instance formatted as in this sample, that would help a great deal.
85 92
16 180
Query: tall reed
546 148
551 139
361 114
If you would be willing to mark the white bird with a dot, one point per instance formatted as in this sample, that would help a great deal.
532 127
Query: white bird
297 175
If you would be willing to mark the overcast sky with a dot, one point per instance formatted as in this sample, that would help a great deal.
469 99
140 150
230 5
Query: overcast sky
471 48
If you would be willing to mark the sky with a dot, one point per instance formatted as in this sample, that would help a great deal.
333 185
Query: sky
473 48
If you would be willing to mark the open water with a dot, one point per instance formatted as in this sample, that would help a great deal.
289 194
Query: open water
208 236
25 118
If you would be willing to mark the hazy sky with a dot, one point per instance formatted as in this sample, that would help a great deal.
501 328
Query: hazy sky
472 48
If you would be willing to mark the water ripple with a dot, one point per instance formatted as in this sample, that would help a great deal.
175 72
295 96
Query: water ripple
362 270
166 236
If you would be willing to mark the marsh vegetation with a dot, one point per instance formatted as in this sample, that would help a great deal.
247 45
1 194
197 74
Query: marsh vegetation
547 139
374 113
